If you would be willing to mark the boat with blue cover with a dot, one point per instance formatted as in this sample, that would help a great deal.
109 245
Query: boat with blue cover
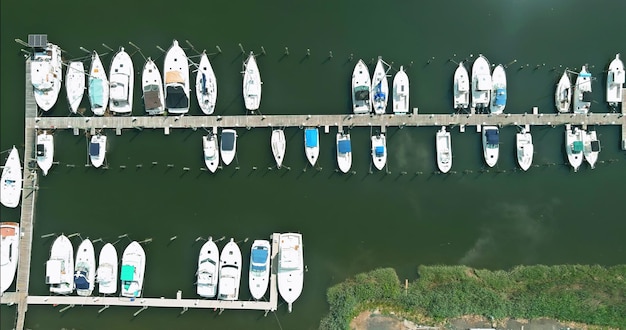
206 85
259 274
344 152
230 272
98 85
311 144
379 150
85 268
491 144
228 145
380 88
176 80
208 269
133 269
582 92
361 89
498 92
97 149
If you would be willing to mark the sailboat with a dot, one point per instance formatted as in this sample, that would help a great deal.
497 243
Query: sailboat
75 84
563 94
98 86
574 146
279 145
290 273
591 147
60 266
481 83
491 145
498 91
45 151
46 75
259 274
85 268
344 152
206 85
401 92
615 82
361 89
525 149
122 83
230 272
211 152
228 145
582 92
176 79
9 252
11 180
461 87
133 270
107 270
379 150
97 149
251 84
208 269
380 88
443 145
311 144
152 86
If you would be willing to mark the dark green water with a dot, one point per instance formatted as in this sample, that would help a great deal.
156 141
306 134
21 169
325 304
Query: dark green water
351 223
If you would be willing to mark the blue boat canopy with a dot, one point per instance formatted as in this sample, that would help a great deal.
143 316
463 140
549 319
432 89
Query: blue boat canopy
492 136
80 279
500 96
259 255
379 151
94 149
310 135
585 74
127 273
379 95
344 146
578 146
96 96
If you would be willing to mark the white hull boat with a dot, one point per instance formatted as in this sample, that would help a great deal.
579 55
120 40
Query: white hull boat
75 84
46 75
591 147
481 83
208 269
45 151
176 79
525 149
152 86
230 272
344 152
574 146
615 82
60 266
498 91
85 268
400 92
379 151
133 270
97 150
361 89
206 85
443 144
279 144
380 88
461 87
311 144
107 270
122 83
582 92
98 86
290 271
491 145
11 180
251 84
259 274
9 252
563 94
228 145
211 152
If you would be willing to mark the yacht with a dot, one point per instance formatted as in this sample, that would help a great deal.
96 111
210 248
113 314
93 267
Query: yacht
206 85
75 84
106 275
133 270
498 91
290 267
311 144
60 266
380 88
176 78
379 150
525 149
491 145
152 86
97 149
344 152
259 275
208 263
11 180
122 83
563 94
251 84
361 89
461 87
443 144
279 145
591 147
582 92
401 92
574 146
211 152
481 83
45 151
85 268
9 252
230 272
615 82
98 86
228 145
46 75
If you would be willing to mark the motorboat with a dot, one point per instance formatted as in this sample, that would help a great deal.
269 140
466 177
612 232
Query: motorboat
290 273
98 85
228 145
574 146
152 86
259 274
97 149
9 252
443 145
85 268
498 90
481 83
133 270
279 144
251 84
491 144
361 89
106 275
176 79
206 85
208 269
45 151
344 152
211 152
591 147
46 75
615 82
380 88
379 150
230 272
400 92
311 144
60 266
563 94
75 84
525 149
122 83
11 180
582 92
461 87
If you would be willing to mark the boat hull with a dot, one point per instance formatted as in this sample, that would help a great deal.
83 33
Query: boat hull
122 83
206 86
208 269
443 146
133 270
11 180
491 148
97 150
251 84
228 145
498 91
230 272
46 76
573 151
615 82
278 144
259 273
311 144
98 86
344 152
85 268
75 84
45 152
563 94
525 149
152 87
211 152
461 88
591 147
361 89
60 266
400 92
582 90
290 271
10 239
481 83
176 80
379 151
380 88
107 269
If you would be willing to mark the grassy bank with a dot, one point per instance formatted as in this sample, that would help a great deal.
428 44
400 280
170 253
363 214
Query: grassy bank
586 294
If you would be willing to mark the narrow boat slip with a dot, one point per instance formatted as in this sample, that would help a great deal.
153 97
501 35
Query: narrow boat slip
361 89
251 84
279 144
9 253
206 85
401 92
176 80
11 191
152 86
98 86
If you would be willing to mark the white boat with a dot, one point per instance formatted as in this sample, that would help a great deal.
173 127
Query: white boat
380 88
279 144
525 149
563 94
481 83
615 82
228 145
582 92
75 84
206 85
211 152
290 271
133 270
122 83
311 144
97 149
46 75
176 79
443 145
491 144
85 268
361 89
400 92
98 86
152 86
9 252
379 150
344 152
259 274
106 275
208 269
498 90
11 180
60 266
251 84
574 146
230 272
45 151
461 87
591 147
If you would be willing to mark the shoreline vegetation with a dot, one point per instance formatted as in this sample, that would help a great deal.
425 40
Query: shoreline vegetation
589 294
